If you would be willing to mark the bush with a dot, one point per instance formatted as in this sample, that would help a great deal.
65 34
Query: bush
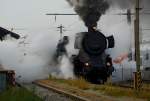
18 94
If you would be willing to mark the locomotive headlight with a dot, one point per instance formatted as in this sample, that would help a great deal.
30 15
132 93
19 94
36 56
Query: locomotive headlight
87 64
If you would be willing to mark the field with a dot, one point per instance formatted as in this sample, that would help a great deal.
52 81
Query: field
106 89
18 94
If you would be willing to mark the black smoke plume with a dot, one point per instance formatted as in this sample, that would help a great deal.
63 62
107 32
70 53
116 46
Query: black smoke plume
90 11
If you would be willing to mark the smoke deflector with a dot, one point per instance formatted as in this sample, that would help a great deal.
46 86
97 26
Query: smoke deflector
110 42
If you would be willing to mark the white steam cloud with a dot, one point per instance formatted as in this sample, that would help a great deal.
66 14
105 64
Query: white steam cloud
66 68
31 60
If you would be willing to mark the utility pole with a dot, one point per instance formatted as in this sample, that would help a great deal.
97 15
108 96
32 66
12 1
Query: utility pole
137 34
137 74
61 30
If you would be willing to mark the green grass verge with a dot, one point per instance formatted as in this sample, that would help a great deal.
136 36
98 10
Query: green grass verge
106 89
18 94
121 92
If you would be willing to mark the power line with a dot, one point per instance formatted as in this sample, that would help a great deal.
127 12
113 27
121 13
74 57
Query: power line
61 14
32 28
146 29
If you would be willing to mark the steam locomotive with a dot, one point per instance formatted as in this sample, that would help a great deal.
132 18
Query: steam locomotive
92 62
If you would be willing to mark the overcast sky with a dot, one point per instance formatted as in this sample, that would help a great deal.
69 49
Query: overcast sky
30 14
27 13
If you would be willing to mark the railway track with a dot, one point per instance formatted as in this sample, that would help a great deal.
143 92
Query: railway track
52 91
123 85
130 85
68 96
49 93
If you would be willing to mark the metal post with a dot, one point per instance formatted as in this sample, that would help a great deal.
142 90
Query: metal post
122 72
135 81
137 43
137 47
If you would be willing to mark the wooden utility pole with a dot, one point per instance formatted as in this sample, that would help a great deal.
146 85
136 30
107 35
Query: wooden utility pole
61 30
137 74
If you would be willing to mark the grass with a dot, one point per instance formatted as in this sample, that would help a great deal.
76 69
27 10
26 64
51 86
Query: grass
18 94
107 89
79 83
146 86
121 92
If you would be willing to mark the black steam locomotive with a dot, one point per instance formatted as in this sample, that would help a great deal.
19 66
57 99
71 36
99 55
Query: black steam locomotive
92 62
